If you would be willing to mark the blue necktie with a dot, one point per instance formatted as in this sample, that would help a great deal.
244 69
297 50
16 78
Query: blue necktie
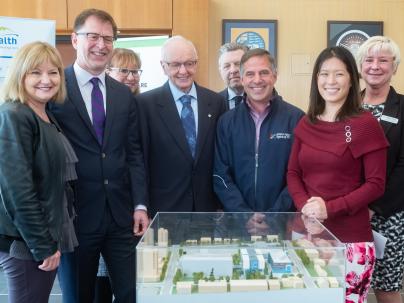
237 100
188 122
97 108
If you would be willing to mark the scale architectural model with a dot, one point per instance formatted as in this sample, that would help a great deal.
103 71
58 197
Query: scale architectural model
195 257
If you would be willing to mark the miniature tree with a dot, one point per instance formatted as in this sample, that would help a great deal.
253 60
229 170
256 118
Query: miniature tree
266 269
211 276
236 274
197 276
178 276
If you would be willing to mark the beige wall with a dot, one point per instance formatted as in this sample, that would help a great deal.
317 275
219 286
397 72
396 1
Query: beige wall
302 30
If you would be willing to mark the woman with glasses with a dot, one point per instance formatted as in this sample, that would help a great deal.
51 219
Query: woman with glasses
378 59
125 67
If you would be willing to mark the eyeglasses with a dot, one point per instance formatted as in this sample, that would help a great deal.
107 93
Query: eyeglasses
94 37
125 71
175 66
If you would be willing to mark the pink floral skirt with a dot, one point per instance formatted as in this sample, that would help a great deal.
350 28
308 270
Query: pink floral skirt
360 263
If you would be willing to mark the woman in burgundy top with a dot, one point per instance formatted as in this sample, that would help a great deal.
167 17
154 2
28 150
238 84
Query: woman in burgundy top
338 163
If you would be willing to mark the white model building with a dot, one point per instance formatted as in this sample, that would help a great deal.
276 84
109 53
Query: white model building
191 242
304 242
333 282
273 238
252 259
256 238
297 282
319 261
148 264
320 271
222 265
274 284
205 240
212 286
184 287
322 283
248 285
226 241
217 240
279 261
149 237
162 237
292 282
312 253
286 282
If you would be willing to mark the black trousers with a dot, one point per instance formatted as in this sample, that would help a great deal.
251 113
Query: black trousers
117 246
25 281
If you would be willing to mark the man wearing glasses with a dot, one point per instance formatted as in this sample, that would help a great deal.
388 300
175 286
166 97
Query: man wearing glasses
178 123
100 119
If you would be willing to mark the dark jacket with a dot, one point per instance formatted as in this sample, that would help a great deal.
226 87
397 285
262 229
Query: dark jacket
111 175
248 181
32 166
393 199
178 182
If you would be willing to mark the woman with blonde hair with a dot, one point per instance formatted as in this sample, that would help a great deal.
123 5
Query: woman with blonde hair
378 59
125 67
32 171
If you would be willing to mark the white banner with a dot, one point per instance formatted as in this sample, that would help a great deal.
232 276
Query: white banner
15 32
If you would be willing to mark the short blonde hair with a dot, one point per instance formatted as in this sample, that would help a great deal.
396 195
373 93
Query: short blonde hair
380 43
27 58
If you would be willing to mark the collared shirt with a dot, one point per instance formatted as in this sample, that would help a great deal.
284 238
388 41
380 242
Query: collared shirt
86 87
177 94
258 118
83 79
232 94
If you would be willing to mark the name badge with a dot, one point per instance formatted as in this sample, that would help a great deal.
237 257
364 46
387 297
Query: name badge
389 119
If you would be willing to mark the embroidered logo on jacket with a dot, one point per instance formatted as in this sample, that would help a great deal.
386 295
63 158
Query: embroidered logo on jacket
280 136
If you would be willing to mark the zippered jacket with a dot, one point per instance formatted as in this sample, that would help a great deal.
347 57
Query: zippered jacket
246 180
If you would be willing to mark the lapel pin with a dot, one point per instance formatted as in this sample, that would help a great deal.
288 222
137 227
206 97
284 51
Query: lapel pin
209 115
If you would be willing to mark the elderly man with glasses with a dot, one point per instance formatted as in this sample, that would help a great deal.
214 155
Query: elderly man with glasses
178 123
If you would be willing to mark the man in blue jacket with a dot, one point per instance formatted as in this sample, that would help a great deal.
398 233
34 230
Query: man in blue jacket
253 143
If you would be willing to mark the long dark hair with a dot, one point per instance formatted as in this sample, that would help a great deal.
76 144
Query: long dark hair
352 104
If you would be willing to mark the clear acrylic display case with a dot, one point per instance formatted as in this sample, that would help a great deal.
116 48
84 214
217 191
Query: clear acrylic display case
239 257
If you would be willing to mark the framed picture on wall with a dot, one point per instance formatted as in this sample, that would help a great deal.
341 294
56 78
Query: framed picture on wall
351 34
253 33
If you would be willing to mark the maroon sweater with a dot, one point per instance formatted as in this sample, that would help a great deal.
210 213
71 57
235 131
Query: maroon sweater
345 164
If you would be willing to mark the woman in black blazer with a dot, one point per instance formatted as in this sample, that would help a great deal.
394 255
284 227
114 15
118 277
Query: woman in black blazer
378 59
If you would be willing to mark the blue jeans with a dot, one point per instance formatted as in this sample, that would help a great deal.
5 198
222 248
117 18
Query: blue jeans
68 279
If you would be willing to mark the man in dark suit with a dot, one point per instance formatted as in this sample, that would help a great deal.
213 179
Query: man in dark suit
178 123
99 117
229 68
